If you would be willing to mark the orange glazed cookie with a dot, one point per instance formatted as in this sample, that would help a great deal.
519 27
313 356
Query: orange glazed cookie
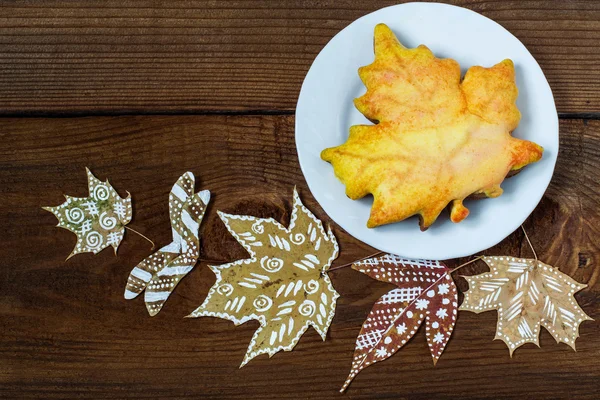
436 140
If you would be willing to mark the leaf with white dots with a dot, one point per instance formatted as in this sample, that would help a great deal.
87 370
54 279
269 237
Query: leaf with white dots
98 220
527 294
159 273
282 285
426 292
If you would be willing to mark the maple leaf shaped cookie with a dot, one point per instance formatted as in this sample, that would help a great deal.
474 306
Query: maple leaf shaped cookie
527 294
282 285
98 220
425 292
159 273
436 141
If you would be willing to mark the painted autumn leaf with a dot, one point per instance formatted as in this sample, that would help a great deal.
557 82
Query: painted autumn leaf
527 294
159 273
282 285
98 220
426 292
437 139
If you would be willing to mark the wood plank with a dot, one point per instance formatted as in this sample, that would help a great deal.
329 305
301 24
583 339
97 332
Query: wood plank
196 56
68 332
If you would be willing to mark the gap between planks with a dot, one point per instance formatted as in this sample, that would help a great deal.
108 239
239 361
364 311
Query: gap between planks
119 113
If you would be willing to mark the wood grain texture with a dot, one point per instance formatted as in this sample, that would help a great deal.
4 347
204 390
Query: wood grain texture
125 56
67 331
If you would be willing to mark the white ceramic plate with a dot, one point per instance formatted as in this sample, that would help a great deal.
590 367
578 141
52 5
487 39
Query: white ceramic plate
325 112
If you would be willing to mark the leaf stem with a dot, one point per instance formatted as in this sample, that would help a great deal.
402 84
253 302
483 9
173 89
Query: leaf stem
142 235
355 261
530 245
467 263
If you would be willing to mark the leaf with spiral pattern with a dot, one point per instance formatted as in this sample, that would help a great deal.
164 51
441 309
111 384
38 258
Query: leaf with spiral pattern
98 220
282 285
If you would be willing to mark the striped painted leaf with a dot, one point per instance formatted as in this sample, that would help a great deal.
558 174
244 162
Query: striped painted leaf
527 294
425 292
282 285
159 273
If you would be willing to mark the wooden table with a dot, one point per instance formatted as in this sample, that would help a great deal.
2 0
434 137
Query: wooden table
142 91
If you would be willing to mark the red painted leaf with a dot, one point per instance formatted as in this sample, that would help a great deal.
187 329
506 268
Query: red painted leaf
425 292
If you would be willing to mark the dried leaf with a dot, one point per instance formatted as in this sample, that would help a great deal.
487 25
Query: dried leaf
425 291
98 220
436 141
527 293
282 285
159 273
